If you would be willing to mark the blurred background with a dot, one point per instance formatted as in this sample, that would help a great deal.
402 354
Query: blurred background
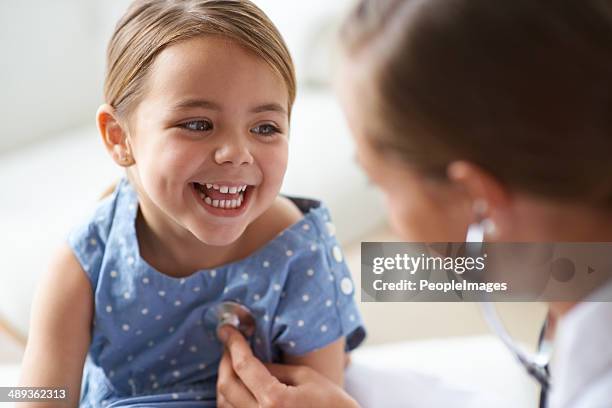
53 167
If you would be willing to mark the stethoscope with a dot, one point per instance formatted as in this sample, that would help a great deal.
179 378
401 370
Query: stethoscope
230 313
536 364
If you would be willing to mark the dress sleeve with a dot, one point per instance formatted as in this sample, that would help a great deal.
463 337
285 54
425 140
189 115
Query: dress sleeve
88 248
317 305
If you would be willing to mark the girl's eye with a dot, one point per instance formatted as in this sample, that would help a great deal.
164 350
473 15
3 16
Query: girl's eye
266 129
197 125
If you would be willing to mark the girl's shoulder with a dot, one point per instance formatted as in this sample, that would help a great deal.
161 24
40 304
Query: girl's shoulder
287 216
89 238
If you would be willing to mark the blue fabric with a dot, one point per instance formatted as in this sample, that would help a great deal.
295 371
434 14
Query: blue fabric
149 346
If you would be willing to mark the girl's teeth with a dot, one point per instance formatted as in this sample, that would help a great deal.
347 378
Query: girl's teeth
229 203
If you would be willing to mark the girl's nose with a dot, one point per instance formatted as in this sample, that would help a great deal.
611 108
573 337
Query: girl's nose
234 152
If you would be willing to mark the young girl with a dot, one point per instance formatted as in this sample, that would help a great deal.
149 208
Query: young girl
199 95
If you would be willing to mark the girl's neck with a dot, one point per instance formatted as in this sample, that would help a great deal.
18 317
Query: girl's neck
178 253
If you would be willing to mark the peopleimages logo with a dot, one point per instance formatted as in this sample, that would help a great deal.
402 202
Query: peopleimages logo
412 264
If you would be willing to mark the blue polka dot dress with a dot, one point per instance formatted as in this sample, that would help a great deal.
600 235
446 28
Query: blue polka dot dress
149 344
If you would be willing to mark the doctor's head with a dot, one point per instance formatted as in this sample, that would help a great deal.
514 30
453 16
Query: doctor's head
498 108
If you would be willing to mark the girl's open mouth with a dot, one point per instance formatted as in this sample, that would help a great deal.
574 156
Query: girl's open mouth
223 199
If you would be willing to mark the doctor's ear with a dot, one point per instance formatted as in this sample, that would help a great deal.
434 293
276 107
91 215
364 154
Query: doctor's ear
114 136
483 191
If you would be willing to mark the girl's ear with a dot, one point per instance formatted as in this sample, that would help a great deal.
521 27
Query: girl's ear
114 136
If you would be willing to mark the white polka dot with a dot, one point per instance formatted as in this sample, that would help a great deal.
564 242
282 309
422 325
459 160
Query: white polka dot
152 377
266 317
126 295
155 385
305 227
171 329
161 293
176 373
175 395
331 229
177 303
313 247
173 361
310 272
125 327
331 277
276 287
323 328
113 274
145 311
277 319
182 281
352 318
289 252
328 303
245 276
145 280
130 261
158 317
93 242
305 297
256 297
193 349
266 264
181 342
196 289
300 323
337 253
292 344
346 286
109 308
213 273
202 366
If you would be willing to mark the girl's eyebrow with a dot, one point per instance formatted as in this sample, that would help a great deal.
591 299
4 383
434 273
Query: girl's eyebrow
201 103
195 103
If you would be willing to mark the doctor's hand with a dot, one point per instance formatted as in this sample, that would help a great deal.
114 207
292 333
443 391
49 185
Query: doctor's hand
245 382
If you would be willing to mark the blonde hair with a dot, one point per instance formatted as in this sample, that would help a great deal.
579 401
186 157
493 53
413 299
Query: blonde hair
149 26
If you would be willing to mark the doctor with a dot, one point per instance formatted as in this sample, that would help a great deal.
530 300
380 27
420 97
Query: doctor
505 103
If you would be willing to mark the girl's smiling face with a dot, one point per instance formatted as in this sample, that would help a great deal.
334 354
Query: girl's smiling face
212 115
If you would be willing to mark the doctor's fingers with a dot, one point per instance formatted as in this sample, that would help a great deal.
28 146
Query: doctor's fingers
231 392
268 391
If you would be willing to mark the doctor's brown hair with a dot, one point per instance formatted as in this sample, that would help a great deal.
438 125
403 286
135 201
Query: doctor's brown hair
522 88
149 26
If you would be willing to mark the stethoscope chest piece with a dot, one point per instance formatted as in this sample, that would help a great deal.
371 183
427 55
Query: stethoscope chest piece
233 314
